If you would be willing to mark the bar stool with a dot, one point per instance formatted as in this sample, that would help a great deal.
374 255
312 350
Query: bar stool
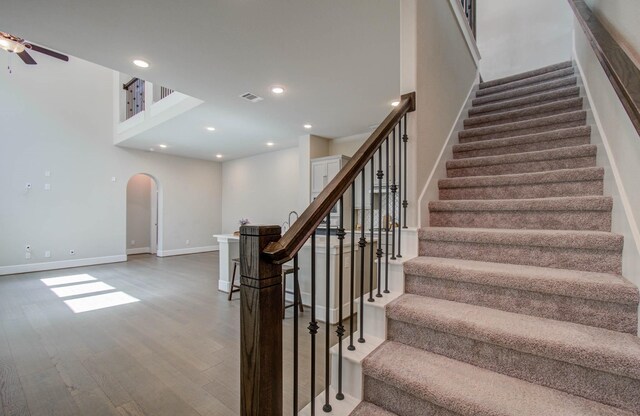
297 302
234 288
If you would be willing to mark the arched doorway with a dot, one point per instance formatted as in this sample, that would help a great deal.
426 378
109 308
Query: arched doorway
143 228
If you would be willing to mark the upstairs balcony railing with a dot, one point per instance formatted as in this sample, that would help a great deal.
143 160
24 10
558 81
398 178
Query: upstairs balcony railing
374 239
135 96
469 7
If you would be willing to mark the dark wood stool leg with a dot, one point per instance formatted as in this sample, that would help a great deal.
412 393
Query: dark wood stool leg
233 280
284 294
299 297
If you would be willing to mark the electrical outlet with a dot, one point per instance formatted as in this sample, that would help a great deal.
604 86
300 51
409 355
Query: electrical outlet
113 179
47 173
187 242
72 252
47 186
47 254
133 242
27 255
27 247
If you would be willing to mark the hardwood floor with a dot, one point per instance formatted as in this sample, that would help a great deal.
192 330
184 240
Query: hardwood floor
174 352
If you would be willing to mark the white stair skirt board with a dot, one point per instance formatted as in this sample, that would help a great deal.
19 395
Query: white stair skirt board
188 250
63 264
352 364
375 319
139 250
338 407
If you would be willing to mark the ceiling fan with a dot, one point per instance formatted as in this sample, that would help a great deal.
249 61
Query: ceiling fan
20 47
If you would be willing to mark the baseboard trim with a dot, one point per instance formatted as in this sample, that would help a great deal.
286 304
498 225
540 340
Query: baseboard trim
139 250
188 250
62 264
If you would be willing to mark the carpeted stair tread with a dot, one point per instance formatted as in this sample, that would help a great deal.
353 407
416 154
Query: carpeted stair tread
517 144
524 75
600 349
526 90
585 240
560 73
369 409
469 390
524 102
558 107
563 175
521 128
573 283
576 203
464 167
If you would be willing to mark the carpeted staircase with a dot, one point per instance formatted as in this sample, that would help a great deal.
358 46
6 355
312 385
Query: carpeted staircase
516 305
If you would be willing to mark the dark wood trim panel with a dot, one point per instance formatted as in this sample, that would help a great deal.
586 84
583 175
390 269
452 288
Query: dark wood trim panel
620 69
130 83
284 249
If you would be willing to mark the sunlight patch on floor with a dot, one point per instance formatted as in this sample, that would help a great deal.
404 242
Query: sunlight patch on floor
92 303
65 280
83 289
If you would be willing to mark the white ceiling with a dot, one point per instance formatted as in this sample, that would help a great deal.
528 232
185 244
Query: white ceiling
338 60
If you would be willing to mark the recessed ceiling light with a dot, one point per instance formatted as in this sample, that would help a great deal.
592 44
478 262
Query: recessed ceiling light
270 143
395 103
151 149
211 128
277 90
307 126
141 63
219 156
164 146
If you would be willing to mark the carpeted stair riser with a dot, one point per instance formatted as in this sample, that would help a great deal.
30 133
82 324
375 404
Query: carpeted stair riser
525 75
576 136
399 401
522 128
369 409
542 161
526 91
604 387
576 182
410 381
574 250
546 110
539 79
525 102
609 315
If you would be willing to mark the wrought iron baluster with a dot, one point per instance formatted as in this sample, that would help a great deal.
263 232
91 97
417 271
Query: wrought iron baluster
405 203
400 188
386 225
352 270
394 189
379 175
313 324
327 322
371 226
361 245
340 328
296 293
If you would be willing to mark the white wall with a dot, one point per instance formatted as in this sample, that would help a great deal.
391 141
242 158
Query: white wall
262 188
139 213
618 151
58 117
518 36
620 17
446 70
347 145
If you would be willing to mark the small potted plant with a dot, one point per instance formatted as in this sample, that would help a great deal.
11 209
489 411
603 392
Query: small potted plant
241 222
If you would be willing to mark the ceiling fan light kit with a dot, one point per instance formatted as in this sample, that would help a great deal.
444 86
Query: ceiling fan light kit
19 46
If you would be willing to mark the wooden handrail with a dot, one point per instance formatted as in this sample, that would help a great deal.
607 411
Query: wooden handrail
288 245
130 83
620 69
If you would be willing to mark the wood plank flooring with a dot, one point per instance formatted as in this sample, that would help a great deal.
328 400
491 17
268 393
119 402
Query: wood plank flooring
173 353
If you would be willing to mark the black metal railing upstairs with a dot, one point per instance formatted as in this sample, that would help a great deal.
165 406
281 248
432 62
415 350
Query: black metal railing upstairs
469 7
135 101
366 205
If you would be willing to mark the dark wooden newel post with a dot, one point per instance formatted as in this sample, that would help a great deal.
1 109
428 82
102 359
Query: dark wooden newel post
260 324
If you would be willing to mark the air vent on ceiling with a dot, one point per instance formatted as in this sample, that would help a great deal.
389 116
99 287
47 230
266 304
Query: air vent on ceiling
251 97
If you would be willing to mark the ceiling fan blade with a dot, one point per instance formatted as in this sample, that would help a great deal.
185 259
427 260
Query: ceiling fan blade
26 58
49 52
